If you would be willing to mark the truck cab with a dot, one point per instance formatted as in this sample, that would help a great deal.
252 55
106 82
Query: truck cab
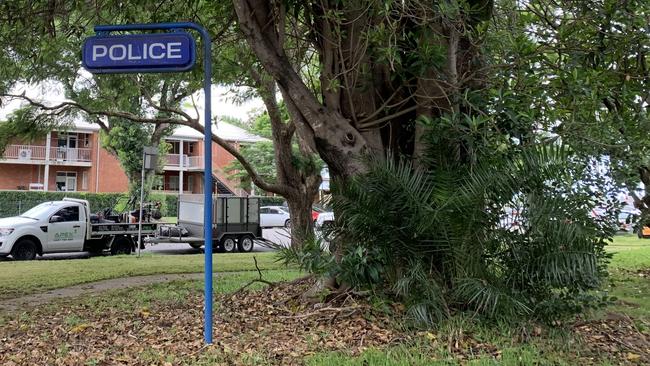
50 227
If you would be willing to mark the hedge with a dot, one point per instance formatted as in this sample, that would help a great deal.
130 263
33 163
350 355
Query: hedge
168 203
14 203
271 200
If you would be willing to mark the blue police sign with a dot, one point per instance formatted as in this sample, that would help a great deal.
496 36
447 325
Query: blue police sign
154 52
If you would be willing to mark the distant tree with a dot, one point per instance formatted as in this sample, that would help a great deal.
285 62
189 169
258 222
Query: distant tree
45 37
260 155
124 140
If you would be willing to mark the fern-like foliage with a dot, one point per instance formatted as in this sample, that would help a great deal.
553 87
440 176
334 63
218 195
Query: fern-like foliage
497 239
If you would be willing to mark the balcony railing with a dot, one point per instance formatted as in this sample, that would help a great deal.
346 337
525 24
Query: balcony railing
69 154
174 160
25 152
33 153
196 162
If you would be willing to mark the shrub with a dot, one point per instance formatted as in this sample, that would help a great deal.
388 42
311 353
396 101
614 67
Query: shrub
514 238
271 201
168 203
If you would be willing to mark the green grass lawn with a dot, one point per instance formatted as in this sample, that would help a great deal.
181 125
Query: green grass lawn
628 242
627 283
23 278
629 253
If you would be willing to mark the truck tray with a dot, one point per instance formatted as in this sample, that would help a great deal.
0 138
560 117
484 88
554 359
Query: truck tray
173 239
109 228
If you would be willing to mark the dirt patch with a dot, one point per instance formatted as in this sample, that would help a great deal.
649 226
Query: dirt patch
92 288
617 338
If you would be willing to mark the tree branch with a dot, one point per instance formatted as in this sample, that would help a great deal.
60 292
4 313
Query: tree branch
255 177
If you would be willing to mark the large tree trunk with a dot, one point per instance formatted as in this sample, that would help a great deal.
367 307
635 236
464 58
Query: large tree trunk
339 144
302 225
367 105
300 184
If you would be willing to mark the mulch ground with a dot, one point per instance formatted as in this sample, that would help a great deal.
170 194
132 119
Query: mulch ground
616 338
273 324
270 326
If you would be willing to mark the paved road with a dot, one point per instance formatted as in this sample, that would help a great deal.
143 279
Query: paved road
278 236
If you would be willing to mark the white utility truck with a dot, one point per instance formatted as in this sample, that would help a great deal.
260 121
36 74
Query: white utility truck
66 226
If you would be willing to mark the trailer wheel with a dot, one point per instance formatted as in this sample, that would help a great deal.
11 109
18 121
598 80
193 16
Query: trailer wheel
24 250
228 244
245 243
196 245
121 245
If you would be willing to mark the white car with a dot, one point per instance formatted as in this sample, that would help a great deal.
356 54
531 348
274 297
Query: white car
274 216
324 220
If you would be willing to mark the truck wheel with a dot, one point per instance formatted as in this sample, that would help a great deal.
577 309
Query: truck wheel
245 243
121 246
24 250
228 244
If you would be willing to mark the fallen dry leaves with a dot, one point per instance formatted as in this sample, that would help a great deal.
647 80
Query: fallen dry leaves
273 323
617 338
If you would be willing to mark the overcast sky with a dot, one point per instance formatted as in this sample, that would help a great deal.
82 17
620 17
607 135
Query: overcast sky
222 101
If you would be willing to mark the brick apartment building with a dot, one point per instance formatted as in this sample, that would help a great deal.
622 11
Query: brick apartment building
73 160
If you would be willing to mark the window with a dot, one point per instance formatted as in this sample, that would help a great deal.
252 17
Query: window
67 147
264 210
173 183
67 141
190 183
84 181
68 214
175 147
66 181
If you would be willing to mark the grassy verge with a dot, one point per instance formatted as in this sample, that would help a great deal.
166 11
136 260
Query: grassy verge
629 281
628 242
172 293
488 343
23 278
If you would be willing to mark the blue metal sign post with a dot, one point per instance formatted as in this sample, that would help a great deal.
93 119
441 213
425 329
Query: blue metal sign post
163 52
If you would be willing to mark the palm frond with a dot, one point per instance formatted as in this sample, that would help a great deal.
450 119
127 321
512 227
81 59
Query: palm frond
487 299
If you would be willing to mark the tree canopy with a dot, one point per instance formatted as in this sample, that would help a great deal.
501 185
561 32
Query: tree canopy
409 103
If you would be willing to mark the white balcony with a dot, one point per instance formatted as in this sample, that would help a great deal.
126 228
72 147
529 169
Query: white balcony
69 155
172 162
34 154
